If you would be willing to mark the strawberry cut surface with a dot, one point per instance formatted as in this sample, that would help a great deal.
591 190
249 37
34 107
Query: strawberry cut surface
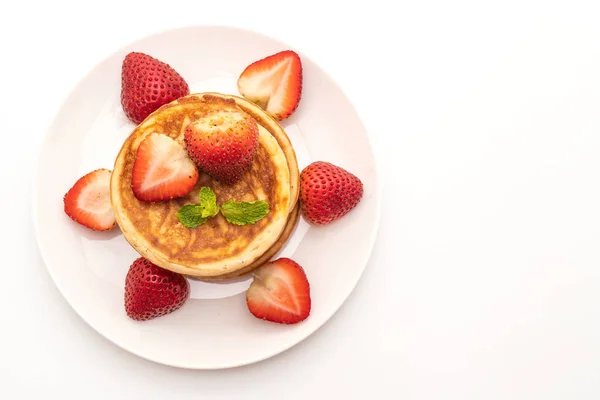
88 201
162 170
280 292
274 83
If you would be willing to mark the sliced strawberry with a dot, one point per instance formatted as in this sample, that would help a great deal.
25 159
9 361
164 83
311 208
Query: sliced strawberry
88 201
280 292
274 83
162 170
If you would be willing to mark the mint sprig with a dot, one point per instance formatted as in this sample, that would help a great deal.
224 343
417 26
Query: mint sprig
235 212
194 215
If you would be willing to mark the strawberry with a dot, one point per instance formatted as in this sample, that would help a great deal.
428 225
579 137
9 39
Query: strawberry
223 144
147 84
274 83
328 192
162 169
280 292
88 201
151 291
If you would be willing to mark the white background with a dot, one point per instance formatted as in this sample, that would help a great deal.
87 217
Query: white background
485 279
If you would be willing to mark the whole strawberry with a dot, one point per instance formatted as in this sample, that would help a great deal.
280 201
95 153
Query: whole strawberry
151 291
328 192
223 144
147 84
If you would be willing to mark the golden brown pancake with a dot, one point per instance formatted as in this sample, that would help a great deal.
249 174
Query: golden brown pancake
285 235
216 248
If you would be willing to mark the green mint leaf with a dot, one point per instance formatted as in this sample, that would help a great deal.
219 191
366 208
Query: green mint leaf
191 215
208 202
194 215
244 212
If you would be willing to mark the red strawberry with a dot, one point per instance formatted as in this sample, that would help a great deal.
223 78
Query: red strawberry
328 192
151 291
223 144
147 84
88 201
279 292
162 169
274 83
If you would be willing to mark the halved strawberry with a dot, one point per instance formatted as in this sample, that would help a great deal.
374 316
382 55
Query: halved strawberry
280 292
274 83
162 169
88 201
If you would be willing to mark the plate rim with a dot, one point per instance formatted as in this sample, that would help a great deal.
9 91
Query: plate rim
377 193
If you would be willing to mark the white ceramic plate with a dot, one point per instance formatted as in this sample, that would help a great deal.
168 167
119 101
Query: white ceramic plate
214 328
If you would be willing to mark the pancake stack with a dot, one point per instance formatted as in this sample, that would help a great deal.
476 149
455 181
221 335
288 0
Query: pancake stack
216 250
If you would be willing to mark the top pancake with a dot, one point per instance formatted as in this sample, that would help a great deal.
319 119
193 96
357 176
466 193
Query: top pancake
216 247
